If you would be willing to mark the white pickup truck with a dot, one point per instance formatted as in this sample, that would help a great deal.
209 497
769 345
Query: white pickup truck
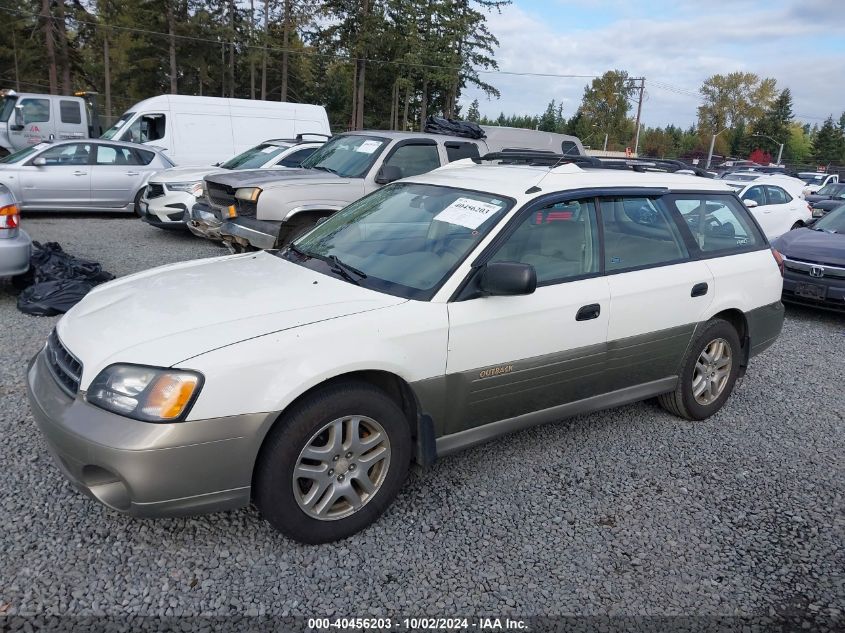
266 210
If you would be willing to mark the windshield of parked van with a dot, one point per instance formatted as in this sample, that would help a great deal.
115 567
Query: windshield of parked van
114 129
349 156
7 108
833 189
833 222
812 179
404 239
255 157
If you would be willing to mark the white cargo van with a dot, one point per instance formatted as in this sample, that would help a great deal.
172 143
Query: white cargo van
206 130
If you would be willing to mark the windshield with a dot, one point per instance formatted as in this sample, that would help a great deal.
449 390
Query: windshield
833 189
833 222
114 129
406 238
7 108
22 154
349 156
255 157
812 179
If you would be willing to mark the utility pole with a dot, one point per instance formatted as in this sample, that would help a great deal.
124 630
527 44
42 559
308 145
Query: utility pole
641 88
15 56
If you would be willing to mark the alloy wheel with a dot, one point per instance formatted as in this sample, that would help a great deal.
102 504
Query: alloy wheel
712 371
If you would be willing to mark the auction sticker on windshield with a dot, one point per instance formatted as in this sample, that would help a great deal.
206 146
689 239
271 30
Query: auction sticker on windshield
368 147
467 212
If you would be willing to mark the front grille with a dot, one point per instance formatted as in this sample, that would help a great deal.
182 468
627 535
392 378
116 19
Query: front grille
814 269
220 195
155 191
66 370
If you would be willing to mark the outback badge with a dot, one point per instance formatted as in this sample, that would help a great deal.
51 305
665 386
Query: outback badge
495 371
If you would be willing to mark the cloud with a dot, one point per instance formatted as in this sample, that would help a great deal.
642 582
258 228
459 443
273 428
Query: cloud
676 47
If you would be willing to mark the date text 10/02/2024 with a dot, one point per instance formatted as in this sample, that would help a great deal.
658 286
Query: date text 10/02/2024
416 624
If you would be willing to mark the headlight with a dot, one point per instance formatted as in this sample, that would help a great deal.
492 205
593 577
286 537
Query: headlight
248 193
144 393
194 188
817 213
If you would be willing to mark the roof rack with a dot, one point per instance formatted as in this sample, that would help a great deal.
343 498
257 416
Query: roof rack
549 159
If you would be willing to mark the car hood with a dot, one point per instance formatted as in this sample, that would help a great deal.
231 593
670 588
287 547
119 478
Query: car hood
167 315
184 174
814 197
271 178
813 246
828 204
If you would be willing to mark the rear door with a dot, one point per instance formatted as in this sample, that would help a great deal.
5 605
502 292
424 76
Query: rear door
116 176
64 182
657 291
71 120
783 209
411 157
509 356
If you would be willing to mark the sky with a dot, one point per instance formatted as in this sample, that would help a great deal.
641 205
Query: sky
674 44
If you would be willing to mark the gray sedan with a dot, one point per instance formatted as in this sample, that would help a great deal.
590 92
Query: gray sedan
14 243
81 175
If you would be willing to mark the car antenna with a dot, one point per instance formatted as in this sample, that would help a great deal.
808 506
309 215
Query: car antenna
536 186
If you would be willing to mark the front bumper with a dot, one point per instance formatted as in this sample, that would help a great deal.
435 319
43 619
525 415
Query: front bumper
831 290
14 254
204 222
140 468
250 231
166 211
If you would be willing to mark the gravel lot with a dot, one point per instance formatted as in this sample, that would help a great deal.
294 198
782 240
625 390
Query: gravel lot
627 512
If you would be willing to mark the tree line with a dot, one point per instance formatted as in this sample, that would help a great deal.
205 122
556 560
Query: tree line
372 63
749 115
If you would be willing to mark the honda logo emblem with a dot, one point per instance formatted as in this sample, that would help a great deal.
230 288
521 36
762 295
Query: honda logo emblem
816 271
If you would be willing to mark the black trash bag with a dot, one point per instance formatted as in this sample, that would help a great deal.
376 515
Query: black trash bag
50 298
49 262
453 127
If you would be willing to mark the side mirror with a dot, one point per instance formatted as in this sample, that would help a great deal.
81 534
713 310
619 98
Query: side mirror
387 174
508 278
18 125
40 161
750 203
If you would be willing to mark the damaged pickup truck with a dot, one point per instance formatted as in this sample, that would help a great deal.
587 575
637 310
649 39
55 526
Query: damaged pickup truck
266 210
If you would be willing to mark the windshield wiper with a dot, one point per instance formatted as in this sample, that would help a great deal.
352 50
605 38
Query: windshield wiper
345 270
293 247
323 168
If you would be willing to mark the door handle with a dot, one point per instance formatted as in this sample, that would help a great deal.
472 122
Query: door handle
699 290
132 173
586 313
80 173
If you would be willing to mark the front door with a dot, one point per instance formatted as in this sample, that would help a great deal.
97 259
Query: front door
513 355
64 182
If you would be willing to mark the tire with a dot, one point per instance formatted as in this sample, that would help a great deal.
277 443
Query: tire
309 510
137 205
683 402
797 225
289 233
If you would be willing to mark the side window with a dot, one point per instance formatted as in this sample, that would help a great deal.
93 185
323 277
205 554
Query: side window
717 222
295 159
414 159
113 155
149 127
756 194
777 195
560 241
456 150
35 110
639 232
70 112
569 148
143 157
71 154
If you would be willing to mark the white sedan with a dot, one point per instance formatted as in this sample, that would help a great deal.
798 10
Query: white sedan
775 209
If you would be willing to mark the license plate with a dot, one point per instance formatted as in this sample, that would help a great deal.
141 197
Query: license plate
810 291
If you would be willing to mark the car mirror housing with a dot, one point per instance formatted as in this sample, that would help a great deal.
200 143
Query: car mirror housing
508 278
39 161
387 174
750 203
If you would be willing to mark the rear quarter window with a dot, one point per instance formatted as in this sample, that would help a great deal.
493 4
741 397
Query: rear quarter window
144 157
719 223
70 111
458 151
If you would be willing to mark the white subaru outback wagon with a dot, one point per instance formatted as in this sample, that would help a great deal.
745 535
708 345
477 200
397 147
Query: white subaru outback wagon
434 314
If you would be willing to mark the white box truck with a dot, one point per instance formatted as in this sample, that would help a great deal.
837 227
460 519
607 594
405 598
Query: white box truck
207 130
